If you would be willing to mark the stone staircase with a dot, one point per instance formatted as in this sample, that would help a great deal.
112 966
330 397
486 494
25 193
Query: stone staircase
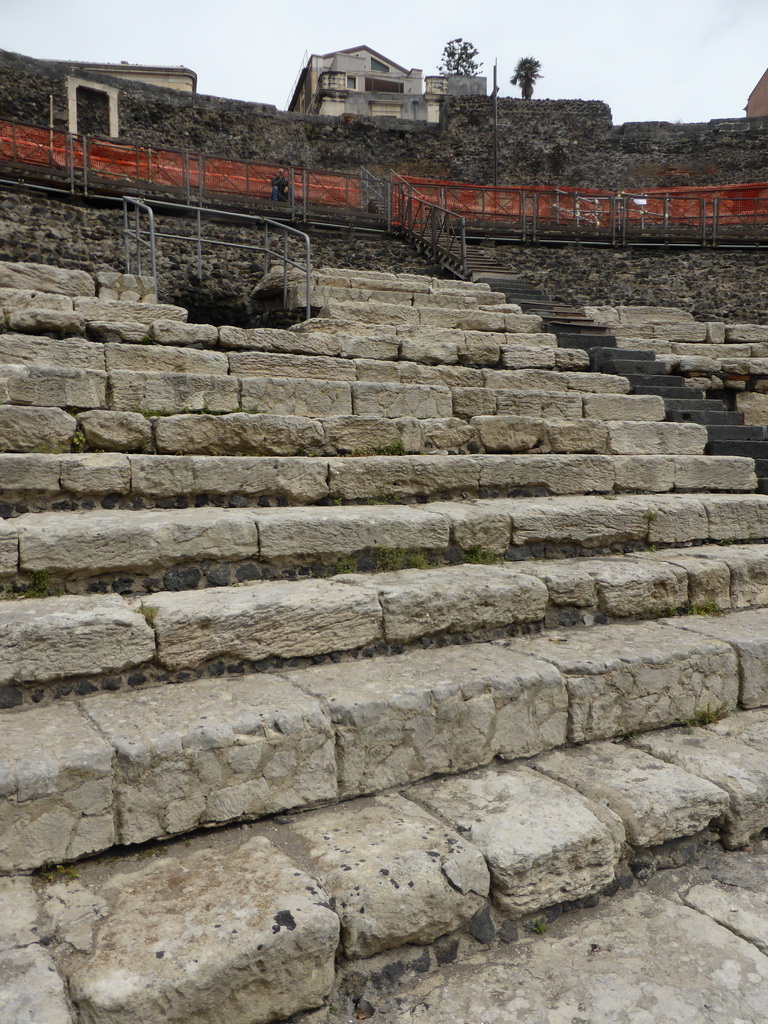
399 628
708 373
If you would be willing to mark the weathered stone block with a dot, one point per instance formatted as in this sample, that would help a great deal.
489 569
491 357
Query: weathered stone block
288 396
624 407
123 540
54 386
401 719
34 473
30 988
173 331
278 364
38 277
397 400
557 474
25 430
134 312
544 843
623 678
656 801
95 474
508 433
213 750
262 620
273 955
55 788
587 436
656 438
237 434
172 392
73 354
368 855
401 477
153 359
115 431
418 602
740 770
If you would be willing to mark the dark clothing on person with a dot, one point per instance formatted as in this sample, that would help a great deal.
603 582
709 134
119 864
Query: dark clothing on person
279 188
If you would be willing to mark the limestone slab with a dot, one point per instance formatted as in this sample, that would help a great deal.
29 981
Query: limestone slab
84 543
131 390
41 321
239 935
211 751
396 400
277 364
656 801
134 312
508 433
311 533
288 396
544 843
712 473
95 473
237 434
645 474
53 637
626 677
747 565
55 788
262 620
296 480
747 632
737 516
13 299
709 580
740 770
21 922
31 992
419 602
30 472
656 438
624 407
43 278
744 913
115 431
402 476
401 719
572 436
54 386
642 958
587 522
165 359
81 355
171 330
397 875
555 474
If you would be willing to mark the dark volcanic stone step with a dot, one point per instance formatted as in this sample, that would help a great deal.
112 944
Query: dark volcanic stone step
735 432
679 394
747 449
727 420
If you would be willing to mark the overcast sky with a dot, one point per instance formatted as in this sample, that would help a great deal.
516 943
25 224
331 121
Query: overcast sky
660 60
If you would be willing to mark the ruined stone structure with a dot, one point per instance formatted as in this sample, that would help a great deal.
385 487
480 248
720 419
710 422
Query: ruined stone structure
339 663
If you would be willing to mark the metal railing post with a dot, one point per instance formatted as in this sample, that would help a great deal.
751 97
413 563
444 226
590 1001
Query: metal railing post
463 248
85 163
266 246
71 156
715 215
285 269
126 233
199 245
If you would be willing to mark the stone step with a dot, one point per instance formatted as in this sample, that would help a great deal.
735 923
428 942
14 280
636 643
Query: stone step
178 549
354 607
130 766
464 319
745 449
217 432
736 432
714 419
683 393
631 368
494 846
42 482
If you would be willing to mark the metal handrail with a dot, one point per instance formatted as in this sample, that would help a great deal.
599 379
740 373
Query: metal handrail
431 226
136 235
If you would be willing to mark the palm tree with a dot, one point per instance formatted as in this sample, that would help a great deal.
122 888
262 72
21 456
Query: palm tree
528 69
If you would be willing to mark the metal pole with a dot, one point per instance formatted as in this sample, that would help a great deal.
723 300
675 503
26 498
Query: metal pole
71 154
308 259
715 213
126 244
199 245
285 269
138 239
85 164
266 247
463 248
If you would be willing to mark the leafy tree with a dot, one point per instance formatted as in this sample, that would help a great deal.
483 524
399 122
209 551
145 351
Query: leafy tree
527 71
459 59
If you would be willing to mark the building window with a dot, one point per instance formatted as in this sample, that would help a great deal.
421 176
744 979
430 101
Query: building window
351 82
376 65
382 85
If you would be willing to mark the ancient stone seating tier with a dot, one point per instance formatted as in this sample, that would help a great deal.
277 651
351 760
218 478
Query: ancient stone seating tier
452 628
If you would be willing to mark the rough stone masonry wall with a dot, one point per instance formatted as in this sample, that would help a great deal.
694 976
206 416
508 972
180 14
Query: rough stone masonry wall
570 142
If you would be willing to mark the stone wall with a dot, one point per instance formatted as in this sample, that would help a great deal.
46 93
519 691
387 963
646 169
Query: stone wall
710 284
570 142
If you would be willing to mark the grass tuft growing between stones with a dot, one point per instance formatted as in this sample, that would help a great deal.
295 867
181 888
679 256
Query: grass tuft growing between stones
478 556
392 559
149 612
708 716
708 608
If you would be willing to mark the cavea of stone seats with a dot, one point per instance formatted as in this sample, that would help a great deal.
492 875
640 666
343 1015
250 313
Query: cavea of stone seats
362 654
